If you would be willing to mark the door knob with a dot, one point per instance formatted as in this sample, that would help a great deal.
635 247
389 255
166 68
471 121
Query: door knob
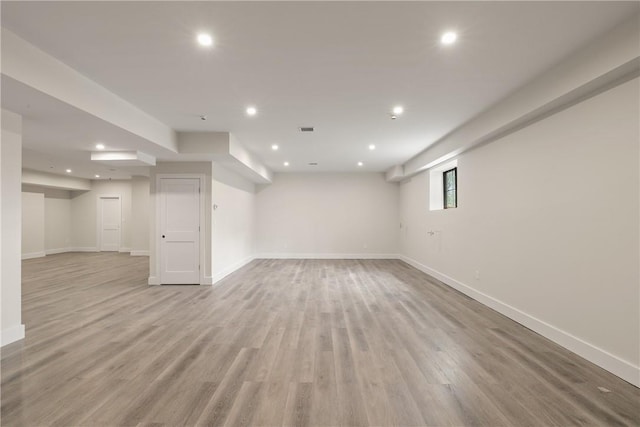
163 236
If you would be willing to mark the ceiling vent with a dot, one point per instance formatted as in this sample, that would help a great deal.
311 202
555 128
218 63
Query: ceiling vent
306 129
313 164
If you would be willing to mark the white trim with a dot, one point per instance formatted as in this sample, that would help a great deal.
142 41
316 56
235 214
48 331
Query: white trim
153 280
600 357
57 251
99 219
139 253
85 249
11 334
294 255
124 250
158 231
230 269
33 255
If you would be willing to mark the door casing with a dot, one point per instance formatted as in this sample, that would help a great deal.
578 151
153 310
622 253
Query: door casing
158 230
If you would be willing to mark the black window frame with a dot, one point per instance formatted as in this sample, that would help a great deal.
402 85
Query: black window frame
455 188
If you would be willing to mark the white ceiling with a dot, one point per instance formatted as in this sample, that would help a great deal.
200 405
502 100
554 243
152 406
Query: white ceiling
338 66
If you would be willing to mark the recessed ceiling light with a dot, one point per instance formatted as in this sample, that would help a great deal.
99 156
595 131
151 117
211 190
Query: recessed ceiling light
68 170
398 110
100 146
372 147
360 163
286 163
97 176
205 39
274 147
251 111
449 38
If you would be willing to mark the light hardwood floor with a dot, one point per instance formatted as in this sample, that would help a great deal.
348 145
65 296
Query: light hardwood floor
285 342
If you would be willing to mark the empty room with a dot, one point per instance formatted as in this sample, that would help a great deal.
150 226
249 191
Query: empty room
320 213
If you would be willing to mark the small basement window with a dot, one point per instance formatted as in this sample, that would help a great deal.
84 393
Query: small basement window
450 189
443 186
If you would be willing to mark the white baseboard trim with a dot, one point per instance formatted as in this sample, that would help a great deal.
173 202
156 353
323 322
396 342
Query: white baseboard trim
32 255
153 280
325 256
139 253
84 249
227 271
11 334
598 356
58 251
124 250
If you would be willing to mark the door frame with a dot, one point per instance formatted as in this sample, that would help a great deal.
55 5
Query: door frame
99 219
158 231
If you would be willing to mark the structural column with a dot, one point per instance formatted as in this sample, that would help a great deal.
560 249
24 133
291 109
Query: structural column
11 325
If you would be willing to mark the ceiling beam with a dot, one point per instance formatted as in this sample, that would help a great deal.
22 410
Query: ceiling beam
31 66
608 61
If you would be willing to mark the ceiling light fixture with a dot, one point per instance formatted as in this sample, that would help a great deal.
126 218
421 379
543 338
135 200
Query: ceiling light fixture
252 111
99 146
275 147
205 40
397 110
448 38
360 164
97 176
372 147
68 170
286 163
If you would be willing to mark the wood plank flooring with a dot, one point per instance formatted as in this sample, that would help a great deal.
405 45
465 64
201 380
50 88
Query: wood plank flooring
285 342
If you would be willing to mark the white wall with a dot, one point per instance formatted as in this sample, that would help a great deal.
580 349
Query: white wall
55 210
32 225
140 216
232 221
548 217
70 223
84 208
327 215
11 200
57 225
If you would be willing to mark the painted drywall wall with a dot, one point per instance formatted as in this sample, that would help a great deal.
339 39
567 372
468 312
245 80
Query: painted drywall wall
10 273
57 225
327 215
233 217
56 210
140 216
84 208
32 225
181 168
547 228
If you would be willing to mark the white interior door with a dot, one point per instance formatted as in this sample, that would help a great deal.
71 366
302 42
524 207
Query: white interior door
110 217
180 231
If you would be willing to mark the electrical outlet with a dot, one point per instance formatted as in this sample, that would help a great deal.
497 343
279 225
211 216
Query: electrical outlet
365 246
477 274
